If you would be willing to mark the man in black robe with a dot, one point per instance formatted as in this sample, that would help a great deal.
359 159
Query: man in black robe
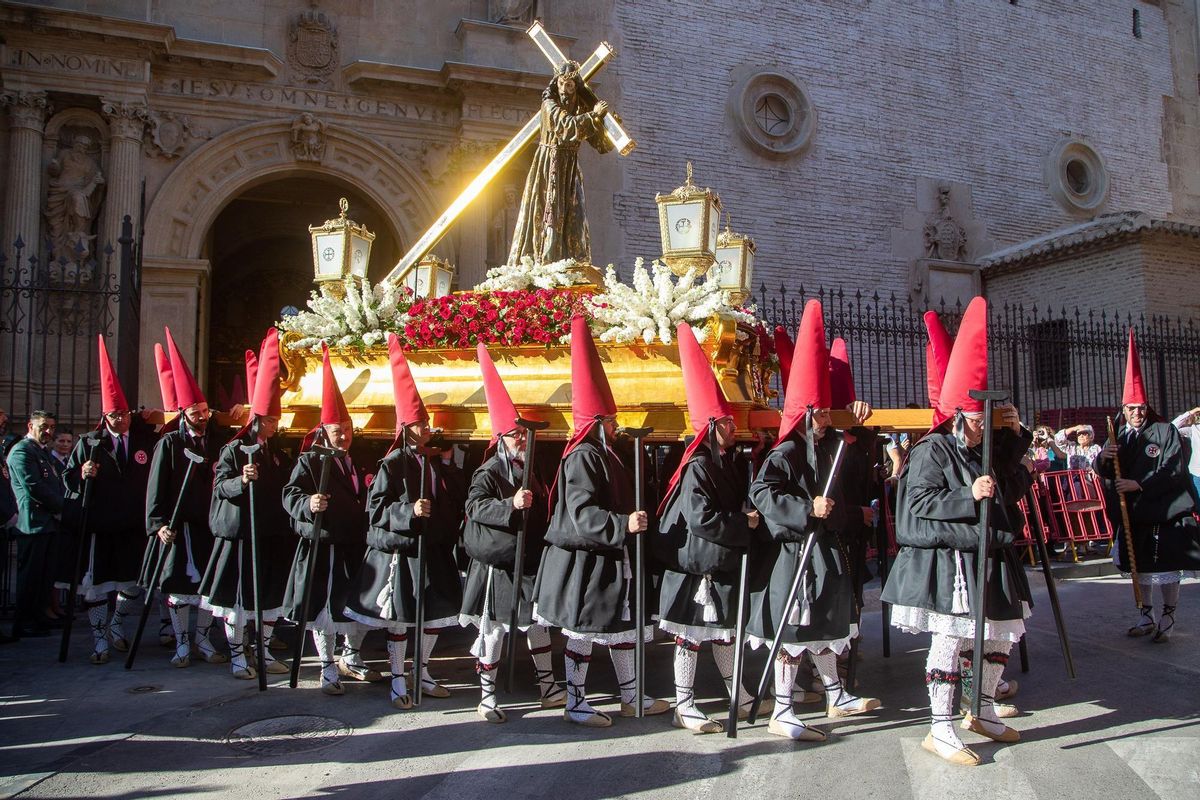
338 545
189 545
1154 485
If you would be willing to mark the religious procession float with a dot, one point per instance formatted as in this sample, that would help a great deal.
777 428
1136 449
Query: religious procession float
523 311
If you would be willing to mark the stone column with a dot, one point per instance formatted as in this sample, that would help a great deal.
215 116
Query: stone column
126 124
23 195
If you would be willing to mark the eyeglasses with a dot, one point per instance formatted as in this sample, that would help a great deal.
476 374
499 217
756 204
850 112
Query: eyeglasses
115 415
1136 409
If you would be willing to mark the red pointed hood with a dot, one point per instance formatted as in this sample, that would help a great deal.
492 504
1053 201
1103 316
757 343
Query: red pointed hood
1134 392
937 358
808 383
786 351
968 366
591 396
501 410
409 407
251 375
111 396
187 391
706 402
166 381
841 376
333 407
264 397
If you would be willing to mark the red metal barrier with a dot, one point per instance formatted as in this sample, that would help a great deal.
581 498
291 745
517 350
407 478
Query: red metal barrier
1074 500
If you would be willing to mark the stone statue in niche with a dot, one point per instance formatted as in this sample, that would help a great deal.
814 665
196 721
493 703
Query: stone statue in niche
504 222
308 138
73 196
945 237
512 12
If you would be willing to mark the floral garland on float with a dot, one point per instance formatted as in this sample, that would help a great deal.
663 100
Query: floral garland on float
519 305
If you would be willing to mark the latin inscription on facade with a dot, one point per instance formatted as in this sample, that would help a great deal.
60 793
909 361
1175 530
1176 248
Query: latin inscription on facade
289 97
75 64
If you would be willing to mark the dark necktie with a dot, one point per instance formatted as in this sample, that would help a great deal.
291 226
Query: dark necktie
121 455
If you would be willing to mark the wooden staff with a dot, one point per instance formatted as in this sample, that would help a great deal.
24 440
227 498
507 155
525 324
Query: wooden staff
79 554
1133 570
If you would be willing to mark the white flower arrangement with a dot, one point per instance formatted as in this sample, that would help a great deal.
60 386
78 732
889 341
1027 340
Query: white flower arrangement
527 275
362 317
650 309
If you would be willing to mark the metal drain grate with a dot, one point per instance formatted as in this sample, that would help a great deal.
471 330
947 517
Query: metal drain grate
144 689
279 736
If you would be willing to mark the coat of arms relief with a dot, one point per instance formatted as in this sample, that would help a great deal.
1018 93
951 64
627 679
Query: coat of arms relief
312 49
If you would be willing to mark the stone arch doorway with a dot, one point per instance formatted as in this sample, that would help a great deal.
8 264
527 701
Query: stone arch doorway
260 258
181 222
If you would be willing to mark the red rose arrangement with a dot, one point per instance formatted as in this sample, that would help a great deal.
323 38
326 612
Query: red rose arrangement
510 319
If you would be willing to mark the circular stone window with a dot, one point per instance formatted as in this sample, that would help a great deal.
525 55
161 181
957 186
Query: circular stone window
1076 176
772 112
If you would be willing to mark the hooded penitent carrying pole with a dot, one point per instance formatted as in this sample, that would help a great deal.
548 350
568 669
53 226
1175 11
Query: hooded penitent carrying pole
794 591
843 395
410 410
333 412
1134 393
163 549
112 398
504 419
262 382
807 389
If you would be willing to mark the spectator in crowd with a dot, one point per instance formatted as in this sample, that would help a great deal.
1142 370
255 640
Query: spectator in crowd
1045 454
39 494
1188 424
64 442
1078 443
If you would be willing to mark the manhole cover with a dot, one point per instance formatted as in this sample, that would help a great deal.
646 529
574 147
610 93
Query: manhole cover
143 689
278 736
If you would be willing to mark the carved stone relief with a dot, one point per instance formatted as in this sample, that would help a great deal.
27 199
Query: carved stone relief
512 12
312 49
308 138
170 134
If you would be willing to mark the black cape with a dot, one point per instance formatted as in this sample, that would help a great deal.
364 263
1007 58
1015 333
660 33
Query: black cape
937 520
342 536
581 583
228 580
385 587
783 493
168 467
703 532
1166 537
115 517
490 539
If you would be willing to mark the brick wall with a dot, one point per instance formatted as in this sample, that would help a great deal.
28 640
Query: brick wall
975 92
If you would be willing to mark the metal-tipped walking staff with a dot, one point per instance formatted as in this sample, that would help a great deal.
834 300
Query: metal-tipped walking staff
1125 523
163 548
531 428
81 548
794 592
419 635
250 450
639 569
739 628
989 398
326 455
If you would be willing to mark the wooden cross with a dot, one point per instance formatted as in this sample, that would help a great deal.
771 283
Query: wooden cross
620 140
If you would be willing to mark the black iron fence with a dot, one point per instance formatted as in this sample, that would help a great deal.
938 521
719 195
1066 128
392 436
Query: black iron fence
52 308
1062 366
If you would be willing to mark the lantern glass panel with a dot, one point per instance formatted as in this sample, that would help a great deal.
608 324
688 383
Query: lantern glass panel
748 269
714 222
330 254
728 268
443 283
360 255
683 226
